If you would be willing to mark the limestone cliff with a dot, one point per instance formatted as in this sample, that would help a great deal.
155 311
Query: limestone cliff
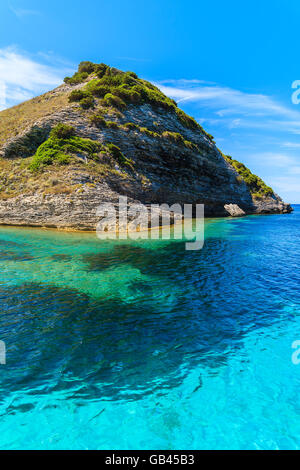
106 133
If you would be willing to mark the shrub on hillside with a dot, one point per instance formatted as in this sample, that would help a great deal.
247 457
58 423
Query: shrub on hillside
133 75
114 101
127 95
87 102
48 157
131 126
174 136
98 121
118 155
77 78
112 124
100 70
97 89
62 131
87 67
76 95
148 132
57 150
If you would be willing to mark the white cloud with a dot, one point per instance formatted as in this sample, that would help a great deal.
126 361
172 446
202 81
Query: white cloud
295 170
23 77
23 12
295 145
288 185
235 107
273 159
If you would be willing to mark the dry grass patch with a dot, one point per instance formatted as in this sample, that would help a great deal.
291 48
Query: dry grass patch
16 119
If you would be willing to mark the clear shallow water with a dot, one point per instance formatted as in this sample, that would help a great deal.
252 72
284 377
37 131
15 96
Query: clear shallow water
143 345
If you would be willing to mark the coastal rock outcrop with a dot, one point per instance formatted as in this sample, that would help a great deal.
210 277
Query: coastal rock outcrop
106 133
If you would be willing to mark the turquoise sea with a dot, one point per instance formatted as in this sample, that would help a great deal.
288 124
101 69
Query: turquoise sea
143 345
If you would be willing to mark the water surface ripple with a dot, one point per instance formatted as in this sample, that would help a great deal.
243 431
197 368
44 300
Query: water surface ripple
143 345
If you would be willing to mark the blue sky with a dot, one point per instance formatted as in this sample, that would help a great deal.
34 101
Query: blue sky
229 64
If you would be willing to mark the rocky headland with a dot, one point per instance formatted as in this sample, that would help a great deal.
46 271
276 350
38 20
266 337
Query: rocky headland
106 133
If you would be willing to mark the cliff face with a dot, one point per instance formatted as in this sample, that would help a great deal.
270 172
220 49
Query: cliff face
57 178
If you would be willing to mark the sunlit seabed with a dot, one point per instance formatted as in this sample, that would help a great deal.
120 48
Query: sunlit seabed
144 345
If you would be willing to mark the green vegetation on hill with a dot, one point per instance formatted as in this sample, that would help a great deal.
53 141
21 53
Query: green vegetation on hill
255 184
63 144
99 122
119 89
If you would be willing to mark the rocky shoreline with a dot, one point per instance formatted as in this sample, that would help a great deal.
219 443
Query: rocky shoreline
79 213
